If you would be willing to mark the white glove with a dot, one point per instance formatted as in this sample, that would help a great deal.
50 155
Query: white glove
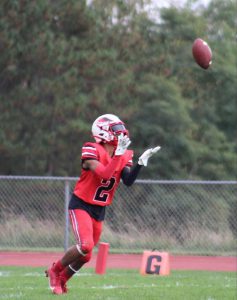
143 159
123 143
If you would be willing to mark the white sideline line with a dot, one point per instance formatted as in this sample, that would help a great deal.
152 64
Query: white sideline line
4 273
177 285
12 296
34 274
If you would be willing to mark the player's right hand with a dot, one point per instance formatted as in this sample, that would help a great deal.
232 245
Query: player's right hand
123 143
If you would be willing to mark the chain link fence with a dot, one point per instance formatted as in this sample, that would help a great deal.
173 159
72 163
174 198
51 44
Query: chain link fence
194 217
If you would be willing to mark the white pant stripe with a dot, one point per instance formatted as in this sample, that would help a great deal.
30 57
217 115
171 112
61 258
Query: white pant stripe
75 227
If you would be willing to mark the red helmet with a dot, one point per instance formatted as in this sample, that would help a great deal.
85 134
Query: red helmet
106 129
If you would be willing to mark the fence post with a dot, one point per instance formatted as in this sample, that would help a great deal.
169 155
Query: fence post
66 201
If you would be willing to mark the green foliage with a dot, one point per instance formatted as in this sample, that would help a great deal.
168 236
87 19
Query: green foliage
64 63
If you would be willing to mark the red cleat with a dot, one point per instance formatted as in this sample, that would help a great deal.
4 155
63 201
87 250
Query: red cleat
63 285
54 281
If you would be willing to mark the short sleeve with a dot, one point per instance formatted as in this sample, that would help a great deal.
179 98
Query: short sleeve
89 151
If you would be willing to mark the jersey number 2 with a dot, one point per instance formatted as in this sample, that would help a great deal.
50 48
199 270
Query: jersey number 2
102 193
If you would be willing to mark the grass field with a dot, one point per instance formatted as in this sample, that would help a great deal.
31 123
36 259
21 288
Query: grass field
30 284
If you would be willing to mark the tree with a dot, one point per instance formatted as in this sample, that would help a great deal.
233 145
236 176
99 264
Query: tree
64 63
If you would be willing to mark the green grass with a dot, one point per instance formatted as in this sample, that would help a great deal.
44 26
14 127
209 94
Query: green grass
30 284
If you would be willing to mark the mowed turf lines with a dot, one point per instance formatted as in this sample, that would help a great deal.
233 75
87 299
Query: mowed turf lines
30 284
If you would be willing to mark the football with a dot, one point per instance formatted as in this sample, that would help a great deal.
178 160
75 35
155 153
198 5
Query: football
202 53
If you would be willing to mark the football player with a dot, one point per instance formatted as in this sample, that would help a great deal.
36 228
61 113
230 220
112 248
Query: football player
104 163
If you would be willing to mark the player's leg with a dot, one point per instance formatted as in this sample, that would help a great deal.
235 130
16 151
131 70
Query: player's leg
81 252
72 269
68 272
76 265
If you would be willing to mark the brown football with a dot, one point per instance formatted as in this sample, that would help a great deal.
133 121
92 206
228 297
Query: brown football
202 53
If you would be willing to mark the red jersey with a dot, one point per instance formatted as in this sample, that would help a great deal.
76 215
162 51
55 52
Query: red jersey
92 188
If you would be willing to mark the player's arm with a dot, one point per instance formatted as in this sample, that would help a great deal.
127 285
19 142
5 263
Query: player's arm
129 175
107 171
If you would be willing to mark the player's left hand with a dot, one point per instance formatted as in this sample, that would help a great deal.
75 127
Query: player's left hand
143 159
